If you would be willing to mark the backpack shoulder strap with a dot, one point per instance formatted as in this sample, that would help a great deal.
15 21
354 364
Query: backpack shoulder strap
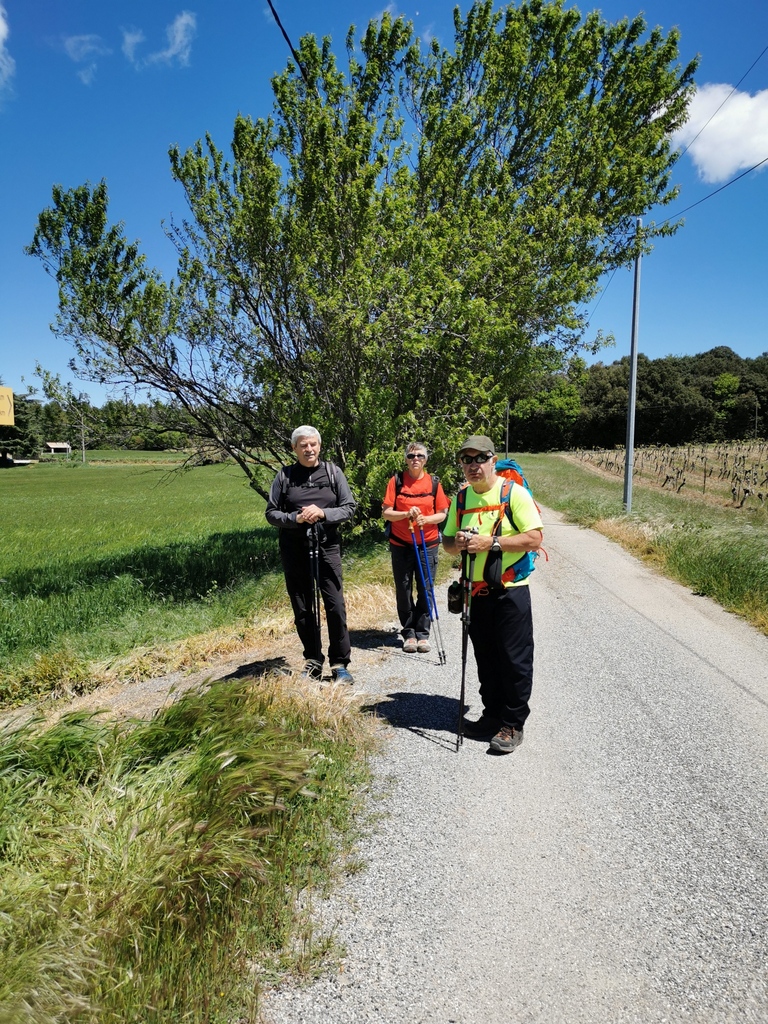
330 469
285 483
461 504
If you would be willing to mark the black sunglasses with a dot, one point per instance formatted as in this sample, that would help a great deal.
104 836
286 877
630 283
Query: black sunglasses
467 460
415 455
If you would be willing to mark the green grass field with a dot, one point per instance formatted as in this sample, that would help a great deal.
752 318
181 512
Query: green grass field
148 870
99 559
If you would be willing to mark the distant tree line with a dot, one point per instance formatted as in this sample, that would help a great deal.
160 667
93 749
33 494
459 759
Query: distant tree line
712 396
143 426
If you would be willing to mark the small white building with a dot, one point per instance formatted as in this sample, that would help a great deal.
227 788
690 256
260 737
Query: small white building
58 448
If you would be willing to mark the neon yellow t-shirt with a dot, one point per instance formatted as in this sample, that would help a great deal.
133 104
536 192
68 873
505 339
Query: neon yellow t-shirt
524 513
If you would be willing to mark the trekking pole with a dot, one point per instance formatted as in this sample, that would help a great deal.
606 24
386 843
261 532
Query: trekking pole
417 556
314 562
466 579
433 612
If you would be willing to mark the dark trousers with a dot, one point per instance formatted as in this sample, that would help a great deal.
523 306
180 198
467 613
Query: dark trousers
414 615
300 586
501 631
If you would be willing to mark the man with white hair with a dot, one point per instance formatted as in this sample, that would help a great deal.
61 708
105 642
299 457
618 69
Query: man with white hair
312 498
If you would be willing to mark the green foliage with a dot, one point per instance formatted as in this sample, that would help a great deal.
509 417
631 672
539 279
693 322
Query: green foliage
680 400
398 250
25 438
148 872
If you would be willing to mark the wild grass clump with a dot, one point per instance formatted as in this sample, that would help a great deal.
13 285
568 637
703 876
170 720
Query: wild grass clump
148 871
714 548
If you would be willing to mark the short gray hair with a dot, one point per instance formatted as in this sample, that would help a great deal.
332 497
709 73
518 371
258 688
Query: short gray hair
417 446
304 431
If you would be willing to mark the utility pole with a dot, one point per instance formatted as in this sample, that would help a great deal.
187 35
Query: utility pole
629 461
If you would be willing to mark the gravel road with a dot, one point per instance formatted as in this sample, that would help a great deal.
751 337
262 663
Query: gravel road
613 869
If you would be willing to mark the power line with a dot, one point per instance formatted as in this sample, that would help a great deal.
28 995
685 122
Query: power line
711 194
296 57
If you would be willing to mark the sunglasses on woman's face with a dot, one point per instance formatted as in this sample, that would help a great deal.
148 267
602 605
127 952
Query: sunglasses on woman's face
467 460
415 455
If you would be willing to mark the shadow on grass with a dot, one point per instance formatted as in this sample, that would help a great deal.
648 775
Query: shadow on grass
255 669
181 571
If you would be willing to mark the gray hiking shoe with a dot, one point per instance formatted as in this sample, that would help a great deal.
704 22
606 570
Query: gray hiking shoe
507 739
409 645
422 646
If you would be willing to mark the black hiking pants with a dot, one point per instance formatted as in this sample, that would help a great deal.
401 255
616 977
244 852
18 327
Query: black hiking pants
501 631
299 583
414 615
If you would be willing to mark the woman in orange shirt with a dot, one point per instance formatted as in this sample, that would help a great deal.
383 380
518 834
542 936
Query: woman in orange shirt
413 497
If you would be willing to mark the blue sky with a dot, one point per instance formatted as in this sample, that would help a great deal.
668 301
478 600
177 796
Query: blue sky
92 90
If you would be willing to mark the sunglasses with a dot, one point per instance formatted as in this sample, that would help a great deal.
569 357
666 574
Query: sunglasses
415 455
467 460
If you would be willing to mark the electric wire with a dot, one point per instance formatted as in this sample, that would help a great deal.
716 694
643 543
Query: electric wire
294 53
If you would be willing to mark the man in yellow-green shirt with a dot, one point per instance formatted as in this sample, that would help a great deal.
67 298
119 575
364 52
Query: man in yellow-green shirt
501 624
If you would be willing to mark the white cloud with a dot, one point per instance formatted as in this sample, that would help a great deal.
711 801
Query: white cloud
736 138
7 63
131 39
180 34
87 75
81 48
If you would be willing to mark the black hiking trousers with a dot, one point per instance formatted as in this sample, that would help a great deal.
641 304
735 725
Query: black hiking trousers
501 631
414 615
299 583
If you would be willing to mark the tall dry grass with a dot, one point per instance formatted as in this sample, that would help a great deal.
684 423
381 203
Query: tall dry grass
148 872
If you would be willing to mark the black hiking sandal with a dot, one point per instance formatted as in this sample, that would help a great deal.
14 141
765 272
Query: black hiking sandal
312 670
482 729
507 739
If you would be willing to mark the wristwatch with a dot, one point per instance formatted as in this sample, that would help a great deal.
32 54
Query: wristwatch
495 544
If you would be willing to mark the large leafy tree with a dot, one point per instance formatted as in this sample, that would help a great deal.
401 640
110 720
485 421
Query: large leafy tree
398 248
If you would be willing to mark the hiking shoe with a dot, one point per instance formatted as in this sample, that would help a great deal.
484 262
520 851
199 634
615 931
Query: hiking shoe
422 646
409 645
507 739
341 674
483 728
312 670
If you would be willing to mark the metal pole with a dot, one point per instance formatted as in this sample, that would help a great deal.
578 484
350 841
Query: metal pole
629 461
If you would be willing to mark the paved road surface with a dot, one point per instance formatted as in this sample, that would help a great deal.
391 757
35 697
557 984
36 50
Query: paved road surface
613 869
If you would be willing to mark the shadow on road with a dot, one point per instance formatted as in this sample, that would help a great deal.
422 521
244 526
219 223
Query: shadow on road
421 713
